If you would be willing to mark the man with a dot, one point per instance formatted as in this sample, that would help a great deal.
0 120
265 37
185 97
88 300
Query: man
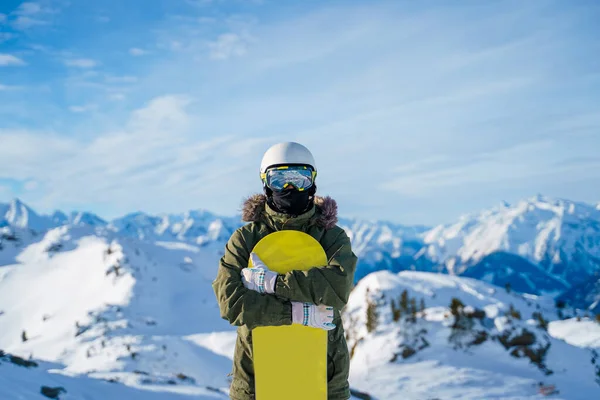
249 298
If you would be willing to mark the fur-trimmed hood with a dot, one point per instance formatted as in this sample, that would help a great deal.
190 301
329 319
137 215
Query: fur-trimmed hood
325 212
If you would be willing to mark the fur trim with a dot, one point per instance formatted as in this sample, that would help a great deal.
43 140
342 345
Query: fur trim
326 210
253 207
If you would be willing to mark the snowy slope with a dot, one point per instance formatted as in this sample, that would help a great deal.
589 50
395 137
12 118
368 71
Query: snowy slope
538 245
428 358
581 332
115 308
379 245
27 382
130 301
98 307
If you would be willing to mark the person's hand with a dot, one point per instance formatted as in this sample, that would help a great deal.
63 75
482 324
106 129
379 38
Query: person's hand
308 314
259 278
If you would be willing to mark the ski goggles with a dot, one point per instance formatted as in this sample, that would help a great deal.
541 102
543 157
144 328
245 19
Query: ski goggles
280 178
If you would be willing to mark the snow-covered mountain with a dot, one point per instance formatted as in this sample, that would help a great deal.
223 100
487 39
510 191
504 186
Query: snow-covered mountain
106 307
417 335
116 308
382 245
17 214
585 295
538 245
130 301
198 226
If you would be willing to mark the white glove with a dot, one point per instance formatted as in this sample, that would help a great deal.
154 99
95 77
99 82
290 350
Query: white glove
308 314
260 278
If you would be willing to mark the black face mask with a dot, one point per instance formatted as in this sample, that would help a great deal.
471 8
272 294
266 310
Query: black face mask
291 201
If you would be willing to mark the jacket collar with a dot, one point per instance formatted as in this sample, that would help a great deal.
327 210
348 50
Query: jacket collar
323 214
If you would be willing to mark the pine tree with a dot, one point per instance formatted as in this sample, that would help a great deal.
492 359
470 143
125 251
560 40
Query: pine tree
23 336
372 316
508 288
513 312
396 312
413 310
422 305
456 307
404 301
542 323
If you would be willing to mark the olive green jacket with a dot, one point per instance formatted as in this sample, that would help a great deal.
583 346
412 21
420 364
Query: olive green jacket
329 285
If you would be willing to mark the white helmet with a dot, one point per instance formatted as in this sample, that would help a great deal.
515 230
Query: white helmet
285 154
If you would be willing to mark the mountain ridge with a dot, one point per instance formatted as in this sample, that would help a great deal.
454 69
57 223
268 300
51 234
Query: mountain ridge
537 245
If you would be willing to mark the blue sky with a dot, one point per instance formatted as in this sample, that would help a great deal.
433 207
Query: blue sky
416 112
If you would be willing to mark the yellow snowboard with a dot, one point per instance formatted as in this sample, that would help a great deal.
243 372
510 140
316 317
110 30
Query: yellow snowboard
290 362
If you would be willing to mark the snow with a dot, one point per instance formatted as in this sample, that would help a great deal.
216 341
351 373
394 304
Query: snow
105 306
25 383
131 301
19 215
559 237
582 333
440 370
511 229
29 296
539 245
221 343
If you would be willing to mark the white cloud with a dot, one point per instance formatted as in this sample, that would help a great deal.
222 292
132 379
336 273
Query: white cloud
175 45
228 45
121 79
81 63
6 36
5 193
207 20
31 185
4 88
2 18
156 156
199 3
9 60
23 154
136 51
522 161
83 108
117 97
29 8
23 22
344 78
31 14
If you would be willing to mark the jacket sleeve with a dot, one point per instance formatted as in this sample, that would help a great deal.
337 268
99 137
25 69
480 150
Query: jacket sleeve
241 306
329 285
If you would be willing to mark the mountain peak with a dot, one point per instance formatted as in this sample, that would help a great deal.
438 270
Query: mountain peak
86 218
20 215
561 237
